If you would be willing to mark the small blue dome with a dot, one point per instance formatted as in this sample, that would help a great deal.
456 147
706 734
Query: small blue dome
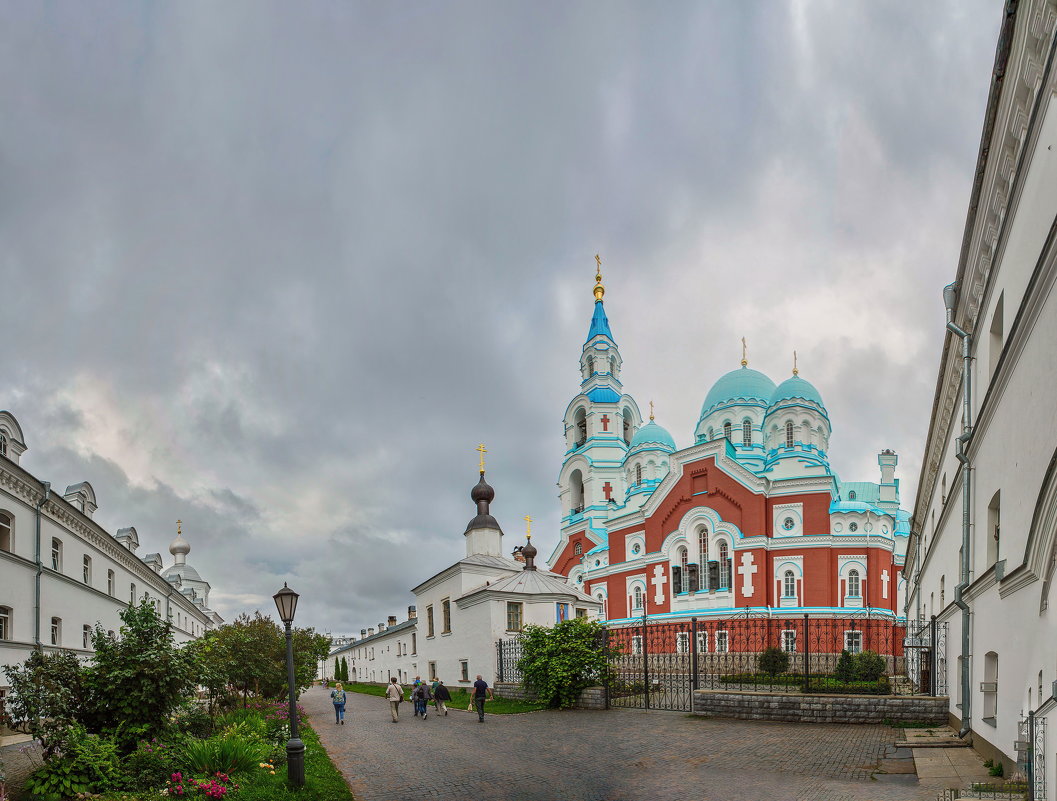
740 384
796 387
652 434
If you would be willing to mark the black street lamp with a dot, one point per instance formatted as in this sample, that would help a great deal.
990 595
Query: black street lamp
286 603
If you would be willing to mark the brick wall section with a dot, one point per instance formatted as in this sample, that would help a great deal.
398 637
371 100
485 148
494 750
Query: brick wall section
590 698
821 708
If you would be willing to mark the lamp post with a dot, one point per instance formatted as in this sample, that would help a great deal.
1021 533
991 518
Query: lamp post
286 603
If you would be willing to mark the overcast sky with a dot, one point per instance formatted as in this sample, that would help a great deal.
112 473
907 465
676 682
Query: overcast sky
275 269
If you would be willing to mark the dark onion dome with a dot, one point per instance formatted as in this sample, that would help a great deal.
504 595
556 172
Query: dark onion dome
529 552
482 494
482 491
743 384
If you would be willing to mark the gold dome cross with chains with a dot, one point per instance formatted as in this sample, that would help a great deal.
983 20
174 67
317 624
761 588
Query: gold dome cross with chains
481 450
528 526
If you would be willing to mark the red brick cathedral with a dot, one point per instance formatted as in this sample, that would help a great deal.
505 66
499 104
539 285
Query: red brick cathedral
749 517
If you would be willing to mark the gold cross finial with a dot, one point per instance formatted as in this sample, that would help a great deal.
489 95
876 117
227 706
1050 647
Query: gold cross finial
528 526
599 289
795 371
651 410
481 450
178 532
744 353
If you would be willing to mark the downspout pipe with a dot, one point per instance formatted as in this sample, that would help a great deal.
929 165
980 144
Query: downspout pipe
40 567
950 294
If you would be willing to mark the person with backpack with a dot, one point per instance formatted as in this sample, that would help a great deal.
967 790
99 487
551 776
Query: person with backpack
441 695
337 695
421 697
394 693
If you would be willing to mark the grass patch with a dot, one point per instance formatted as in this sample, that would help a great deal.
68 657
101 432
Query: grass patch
460 699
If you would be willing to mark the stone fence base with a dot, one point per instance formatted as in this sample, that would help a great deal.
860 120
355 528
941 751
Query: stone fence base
821 708
590 698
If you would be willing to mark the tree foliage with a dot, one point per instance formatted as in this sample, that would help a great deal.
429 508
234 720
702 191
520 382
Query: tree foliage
845 670
559 662
45 695
773 661
137 679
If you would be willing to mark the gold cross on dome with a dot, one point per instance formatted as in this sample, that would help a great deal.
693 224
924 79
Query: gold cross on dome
795 371
744 353
528 526
651 410
178 532
481 450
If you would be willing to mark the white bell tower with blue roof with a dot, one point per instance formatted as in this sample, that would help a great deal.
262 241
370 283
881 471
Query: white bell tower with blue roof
600 423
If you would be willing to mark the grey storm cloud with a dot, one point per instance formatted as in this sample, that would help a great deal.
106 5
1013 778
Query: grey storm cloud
276 269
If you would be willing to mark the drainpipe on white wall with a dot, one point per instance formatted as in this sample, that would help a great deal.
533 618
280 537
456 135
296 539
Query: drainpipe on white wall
950 294
40 567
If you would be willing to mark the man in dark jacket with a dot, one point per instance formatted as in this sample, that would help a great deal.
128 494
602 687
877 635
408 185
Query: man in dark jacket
441 695
421 696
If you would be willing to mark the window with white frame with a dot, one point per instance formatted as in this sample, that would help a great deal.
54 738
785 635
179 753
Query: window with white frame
638 474
132 593
464 670
853 642
746 433
722 642
5 533
854 585
682 642
684 570
429 620
702 642
56 631
5 622
445 608
86 636
637 596
110 582
702 547
56 554
789 435
3 444
578 549
513 616
789 641
636 645
727 431
86 570
724 566
789 584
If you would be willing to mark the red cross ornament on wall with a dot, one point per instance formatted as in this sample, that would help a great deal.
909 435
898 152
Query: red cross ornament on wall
608 490
605 422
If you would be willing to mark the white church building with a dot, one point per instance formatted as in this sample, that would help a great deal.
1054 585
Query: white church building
61 573
460 613
983 552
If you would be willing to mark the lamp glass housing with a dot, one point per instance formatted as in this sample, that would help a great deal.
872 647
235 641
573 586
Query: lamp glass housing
286 603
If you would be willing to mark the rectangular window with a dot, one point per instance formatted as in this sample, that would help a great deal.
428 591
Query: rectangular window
464 670
5 533
853 642
56 554
110 582
86 636
414 644
445 608
132 594
5 623
429 620
682 642
789 641
86 570
636 646
513 616
56 631
722 642
702 642
581 612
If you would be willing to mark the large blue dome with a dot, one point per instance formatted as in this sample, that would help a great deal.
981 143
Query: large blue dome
652 434
741 384
796 387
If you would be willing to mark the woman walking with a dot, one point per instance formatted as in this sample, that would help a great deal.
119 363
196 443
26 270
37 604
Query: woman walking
337 695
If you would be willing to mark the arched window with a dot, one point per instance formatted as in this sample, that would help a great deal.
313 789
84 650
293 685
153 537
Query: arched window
638 597
627 426
590 366
5 533
789 584
3 444
724 566
853 583
56 631
576 488
579 428
726 431
86 636
110 584
56 554
638 474
612 365
789 435
5 623
852 496
684 570
746 433
711 433
86 570
702 550
578 549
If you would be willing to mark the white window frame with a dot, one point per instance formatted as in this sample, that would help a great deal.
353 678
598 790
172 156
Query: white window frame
682 642
5 623
746 433
636 645
789 435
520 609
723 553
111 582
702 642
853 641
788 578
789 638
56 631
637 597
722 641
684 569
56 554
7 524
86 569
86 636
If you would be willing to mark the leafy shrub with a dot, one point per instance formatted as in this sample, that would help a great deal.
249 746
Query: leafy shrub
773 661
192 720
149 766
223 755
44 695
88 763
869 666
558 662
845 671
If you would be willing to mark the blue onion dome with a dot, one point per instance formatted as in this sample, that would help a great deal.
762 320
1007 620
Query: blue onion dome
742 384
652 434
796 387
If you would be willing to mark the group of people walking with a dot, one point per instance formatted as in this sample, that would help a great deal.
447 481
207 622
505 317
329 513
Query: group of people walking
421 694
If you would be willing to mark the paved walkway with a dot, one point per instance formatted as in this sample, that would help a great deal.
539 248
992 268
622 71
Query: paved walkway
618 755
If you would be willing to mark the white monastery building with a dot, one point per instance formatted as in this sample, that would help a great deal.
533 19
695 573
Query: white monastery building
983 553
465 609
61 573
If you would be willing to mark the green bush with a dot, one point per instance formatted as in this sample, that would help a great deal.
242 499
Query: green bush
773 661
559 662
223 755
845 671
88 763
869 666
192 720
45 695
149 766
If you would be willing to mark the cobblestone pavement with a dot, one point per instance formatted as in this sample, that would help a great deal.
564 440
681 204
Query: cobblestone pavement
618 755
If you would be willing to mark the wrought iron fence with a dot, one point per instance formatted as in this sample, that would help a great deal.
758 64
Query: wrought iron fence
1031 754
508 655
925 647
